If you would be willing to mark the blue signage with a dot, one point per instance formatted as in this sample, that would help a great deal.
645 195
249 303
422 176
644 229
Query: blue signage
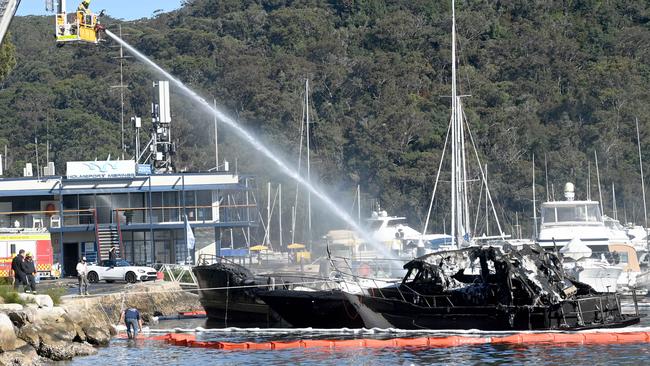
144 169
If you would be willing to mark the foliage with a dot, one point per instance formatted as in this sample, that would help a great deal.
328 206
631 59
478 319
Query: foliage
558 79
55 293
9 296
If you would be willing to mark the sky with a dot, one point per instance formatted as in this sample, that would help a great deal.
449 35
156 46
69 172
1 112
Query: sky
121 9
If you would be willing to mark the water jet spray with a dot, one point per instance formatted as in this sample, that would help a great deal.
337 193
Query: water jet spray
248 137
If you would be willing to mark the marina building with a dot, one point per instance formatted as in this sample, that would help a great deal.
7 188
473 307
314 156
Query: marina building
122 204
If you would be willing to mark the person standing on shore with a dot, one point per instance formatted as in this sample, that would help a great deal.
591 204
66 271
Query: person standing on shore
30 273
17 267
131 318
82 273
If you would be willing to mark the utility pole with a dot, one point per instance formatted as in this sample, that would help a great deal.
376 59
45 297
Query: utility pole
121 86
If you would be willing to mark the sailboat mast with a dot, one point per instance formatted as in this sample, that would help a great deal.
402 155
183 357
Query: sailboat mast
548 198
359 204
454 129
280 214
645 209
589 181
600 192
308 164
614 213
487 205
534 203
268 214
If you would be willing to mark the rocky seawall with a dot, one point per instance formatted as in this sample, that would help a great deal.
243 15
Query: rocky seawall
39 332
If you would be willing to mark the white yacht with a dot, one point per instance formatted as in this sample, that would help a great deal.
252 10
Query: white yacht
564 221
396 234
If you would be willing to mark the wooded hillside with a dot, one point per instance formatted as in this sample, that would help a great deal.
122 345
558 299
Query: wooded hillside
554 78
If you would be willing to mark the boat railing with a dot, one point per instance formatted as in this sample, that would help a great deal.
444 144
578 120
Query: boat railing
346 272
209 259
601 308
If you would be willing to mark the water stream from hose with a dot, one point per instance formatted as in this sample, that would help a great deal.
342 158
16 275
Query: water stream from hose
259 146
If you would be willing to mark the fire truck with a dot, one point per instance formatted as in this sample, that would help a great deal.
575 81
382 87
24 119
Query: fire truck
39 244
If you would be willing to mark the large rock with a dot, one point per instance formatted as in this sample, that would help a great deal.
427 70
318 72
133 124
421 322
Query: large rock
43 301
81 335
97 336
31 335
7 334
62 328
24 356
58 350
10 307
22 318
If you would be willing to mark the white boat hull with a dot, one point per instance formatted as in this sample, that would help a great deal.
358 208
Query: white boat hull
601 279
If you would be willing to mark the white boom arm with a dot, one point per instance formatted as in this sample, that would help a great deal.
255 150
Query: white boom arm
7 12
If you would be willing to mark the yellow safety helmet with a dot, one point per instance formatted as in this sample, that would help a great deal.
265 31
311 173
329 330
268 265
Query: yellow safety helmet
29 254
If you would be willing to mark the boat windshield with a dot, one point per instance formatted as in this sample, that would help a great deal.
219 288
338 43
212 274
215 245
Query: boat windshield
374 225
578 213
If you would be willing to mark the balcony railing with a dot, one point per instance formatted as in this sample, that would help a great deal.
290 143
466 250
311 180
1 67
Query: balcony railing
126 216
176 214
46 219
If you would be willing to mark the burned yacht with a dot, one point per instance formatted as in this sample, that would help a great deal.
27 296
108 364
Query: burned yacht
229 291
489 288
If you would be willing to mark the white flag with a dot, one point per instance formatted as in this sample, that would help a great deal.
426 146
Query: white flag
190 234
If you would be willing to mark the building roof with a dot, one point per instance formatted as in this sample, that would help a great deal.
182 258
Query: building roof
54 185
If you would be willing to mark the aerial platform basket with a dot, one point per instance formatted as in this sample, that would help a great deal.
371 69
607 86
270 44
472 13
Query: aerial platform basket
80 26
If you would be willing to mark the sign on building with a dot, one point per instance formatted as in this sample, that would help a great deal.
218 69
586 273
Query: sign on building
100 169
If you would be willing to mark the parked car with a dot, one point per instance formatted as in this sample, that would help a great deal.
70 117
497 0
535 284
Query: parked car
119 270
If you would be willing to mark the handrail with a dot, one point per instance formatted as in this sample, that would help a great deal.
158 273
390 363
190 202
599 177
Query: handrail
99 244
180 207
89 210
119 232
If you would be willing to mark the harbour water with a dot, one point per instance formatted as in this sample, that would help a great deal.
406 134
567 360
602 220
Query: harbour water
125 352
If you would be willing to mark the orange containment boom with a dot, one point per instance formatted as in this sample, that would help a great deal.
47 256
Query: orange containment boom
189 340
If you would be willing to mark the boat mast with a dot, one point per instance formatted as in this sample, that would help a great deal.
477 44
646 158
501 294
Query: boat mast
267 242
548 197
600 192
308 165
295 204
614 213
280 214
534 203
645 209
589 181
359 204
487 205
458 176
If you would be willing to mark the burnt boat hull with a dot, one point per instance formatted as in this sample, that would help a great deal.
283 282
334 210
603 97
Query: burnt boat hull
316 309
225 300
587 313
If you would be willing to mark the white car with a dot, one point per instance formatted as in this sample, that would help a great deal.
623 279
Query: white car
119 270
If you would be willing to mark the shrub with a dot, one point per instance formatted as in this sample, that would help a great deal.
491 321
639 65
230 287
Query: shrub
55 293
10 296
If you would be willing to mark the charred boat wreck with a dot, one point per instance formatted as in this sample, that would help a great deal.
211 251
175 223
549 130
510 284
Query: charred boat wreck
229 292
489 288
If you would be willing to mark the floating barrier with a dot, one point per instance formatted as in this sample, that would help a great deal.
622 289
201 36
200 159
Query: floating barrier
189 340
184 315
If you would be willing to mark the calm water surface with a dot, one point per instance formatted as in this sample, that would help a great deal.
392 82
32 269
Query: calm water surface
124 352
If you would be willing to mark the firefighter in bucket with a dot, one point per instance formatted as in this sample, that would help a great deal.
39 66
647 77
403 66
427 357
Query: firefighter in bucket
81 26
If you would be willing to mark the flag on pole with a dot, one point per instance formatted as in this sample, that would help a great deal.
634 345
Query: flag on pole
189 234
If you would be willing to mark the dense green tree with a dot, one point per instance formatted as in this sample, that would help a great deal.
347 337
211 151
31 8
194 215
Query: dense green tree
559 79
